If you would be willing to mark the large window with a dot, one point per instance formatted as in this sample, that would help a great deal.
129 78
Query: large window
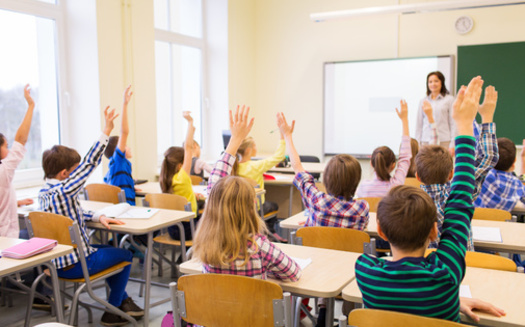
28 36
179 54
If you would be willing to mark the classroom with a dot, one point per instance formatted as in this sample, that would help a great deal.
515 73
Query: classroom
265 54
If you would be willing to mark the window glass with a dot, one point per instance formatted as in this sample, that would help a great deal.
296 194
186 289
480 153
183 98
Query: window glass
179 16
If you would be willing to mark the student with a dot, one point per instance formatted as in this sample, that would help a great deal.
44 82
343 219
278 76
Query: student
384 162
407 219
502 189
119 173
65 176
175 176
434 164
230 238
9 160
198 166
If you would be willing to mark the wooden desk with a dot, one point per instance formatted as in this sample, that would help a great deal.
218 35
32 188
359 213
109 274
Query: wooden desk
284 193
501 288
9 266
311 167
154 187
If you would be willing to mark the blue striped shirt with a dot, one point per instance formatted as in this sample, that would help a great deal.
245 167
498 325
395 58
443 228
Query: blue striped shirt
501 190
119 174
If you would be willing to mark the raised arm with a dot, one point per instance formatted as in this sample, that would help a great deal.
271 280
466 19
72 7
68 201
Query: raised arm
427 110
405 153
124 127
419 122
23 131
286 132
188 143
403 115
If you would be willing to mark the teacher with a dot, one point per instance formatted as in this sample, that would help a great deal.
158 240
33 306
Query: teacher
436 110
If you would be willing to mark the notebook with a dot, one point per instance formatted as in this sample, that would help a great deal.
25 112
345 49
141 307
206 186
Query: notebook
126 211
29 248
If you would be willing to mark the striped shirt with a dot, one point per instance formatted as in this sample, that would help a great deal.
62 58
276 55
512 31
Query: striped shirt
379 188
501 190
119 174
61 197
428 286
487 157
327 210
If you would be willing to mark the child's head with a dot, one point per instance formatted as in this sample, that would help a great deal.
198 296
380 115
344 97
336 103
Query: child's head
112 145
414 145
384 161
407 216
173 159
4 150
507 154
434 165
342 175
229 221
59 161
247 148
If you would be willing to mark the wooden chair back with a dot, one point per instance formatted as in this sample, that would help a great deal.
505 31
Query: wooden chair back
210 301
412 181
486 260
195 180
166 201
380 318
334 238
372 202
50 225
491 214
104 193
320 186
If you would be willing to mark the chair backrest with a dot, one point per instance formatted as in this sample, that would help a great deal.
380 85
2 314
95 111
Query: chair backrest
209 300
491 214
195 180
104 193
166 201
334 238
50 225
412 181
376 318
486 260
372 202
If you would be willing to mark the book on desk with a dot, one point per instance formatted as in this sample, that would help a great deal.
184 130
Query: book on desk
127 211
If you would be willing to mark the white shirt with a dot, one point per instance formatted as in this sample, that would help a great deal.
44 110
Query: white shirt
8 206
442 112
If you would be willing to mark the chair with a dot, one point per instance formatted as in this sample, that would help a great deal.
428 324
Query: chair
196 180
486 260
316 176
380 318
412 181
66 231
373 202
491 214
104 193
208 300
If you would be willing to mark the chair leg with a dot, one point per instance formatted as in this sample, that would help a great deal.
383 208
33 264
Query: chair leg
161 248
111 308
74 305
31 298
297 311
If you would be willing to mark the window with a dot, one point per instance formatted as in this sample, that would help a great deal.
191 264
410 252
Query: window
179 57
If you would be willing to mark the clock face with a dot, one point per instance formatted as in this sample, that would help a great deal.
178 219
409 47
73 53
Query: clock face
464 24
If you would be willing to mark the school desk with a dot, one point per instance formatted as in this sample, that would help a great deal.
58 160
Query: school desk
282 191
154 187
10 266
501 288
162 219
326 276
311 167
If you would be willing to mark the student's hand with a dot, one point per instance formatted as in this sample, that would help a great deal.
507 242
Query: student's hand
487 108
427 109
27 95
127 95
24 202
466 105
138 189
109 117
200 197
187 116
106 221
466 305
403 113
240 123
286 130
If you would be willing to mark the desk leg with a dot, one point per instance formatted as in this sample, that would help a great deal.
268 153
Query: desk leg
147 271
290 206
330 305
56 291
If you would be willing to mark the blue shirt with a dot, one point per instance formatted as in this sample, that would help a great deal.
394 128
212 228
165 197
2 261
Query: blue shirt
501 190
119 174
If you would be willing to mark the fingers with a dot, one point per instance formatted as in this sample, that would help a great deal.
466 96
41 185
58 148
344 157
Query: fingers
231 118
237 114
471 314
293 126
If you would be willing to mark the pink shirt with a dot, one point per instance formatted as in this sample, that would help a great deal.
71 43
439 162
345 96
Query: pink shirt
8 213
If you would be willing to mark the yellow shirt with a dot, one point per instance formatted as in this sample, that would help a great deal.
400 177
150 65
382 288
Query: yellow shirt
181 185
255 169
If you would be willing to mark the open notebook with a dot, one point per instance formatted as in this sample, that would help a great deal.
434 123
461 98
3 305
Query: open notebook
126 211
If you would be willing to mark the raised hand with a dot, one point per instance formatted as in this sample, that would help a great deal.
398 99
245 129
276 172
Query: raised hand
427 109
187 115
285 129
403 113
466 105
27 95
488 107
109 117
127 95
240 127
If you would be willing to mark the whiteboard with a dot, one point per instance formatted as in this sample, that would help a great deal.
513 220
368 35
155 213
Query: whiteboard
360 98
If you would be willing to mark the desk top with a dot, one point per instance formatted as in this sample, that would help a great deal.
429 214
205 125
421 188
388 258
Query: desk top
311 167
154 187
280 179
497 287
9 266
326 276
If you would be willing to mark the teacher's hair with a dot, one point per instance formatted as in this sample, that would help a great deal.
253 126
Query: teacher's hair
441 77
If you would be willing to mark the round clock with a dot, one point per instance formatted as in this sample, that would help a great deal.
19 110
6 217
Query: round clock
464 24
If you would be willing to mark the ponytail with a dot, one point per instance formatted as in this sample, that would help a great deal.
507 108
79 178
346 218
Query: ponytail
382 159
173 157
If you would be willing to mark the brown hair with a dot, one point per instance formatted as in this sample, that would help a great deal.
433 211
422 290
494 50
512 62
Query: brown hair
382 158
433 164
170 166
110 148
406 216
507 154
342 175
414 145
228 223
58 158
246 143
441 77
2 139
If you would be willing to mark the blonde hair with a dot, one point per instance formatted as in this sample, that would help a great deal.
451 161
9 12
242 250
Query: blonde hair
229 222
170 166
247 143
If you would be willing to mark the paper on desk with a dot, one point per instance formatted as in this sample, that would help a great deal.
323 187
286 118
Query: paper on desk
124 210
303 263
202 189
282 177
464 291
489 234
